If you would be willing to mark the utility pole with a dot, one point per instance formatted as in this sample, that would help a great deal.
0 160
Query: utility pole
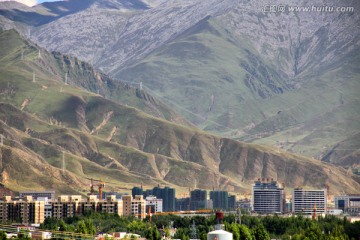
238 215
63 162
193 234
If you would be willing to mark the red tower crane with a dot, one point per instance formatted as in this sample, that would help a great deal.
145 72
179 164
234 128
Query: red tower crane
101 185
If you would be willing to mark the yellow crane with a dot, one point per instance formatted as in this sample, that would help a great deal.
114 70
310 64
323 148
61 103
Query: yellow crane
101 185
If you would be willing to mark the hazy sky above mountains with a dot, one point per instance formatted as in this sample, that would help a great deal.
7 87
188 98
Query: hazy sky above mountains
30 2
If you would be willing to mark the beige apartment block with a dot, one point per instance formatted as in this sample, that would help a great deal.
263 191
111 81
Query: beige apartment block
111 205
66 206
26 210
134 206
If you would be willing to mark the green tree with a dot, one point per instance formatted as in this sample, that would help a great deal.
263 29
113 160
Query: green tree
234 229
81 227
338 233
203 235
313 232
167 232
90 226
152 233
182 233
50 224
137 226
351 229
3 235
62 225
244 232
260 233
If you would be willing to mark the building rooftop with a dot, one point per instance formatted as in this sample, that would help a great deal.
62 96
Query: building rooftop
220 232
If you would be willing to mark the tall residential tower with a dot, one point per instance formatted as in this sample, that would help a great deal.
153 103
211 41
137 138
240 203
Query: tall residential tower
268 197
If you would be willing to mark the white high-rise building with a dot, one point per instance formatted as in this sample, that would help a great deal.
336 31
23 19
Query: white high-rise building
268 197
154 203
305 201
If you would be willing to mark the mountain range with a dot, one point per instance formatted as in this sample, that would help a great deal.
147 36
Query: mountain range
288 80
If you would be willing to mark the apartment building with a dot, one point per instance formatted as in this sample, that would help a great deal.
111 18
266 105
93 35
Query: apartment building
38 194
268 197
111 205
348 203
66 206
154 204
26 210
307 201
134 206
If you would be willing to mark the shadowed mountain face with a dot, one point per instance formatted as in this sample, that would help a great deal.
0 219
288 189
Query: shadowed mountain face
71 134
50 11
41 14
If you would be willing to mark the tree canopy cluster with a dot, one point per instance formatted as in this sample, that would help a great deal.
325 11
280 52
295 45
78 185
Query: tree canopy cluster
251 227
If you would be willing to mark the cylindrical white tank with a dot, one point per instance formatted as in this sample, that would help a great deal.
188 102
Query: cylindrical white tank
219 235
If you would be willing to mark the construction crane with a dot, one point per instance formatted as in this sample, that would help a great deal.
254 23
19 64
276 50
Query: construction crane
101 185
313 211
314 215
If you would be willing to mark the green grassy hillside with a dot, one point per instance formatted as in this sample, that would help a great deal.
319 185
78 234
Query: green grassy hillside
345 153
224 84
59 135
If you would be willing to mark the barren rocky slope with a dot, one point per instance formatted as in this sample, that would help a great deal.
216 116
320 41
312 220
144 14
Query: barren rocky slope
227 66
66 133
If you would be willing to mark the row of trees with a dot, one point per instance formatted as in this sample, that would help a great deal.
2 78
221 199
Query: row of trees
252 228
92 223
259 228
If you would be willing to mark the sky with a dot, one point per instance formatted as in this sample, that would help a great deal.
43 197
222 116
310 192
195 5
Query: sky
30 2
